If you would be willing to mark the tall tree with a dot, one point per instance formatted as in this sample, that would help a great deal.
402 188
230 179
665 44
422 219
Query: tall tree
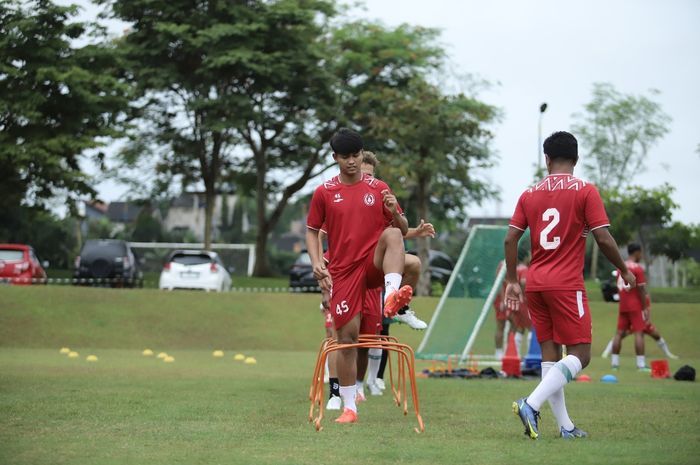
437 146
617 131
57 101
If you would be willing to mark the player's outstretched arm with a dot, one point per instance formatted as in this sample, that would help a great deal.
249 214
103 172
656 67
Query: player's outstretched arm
513 293
609 248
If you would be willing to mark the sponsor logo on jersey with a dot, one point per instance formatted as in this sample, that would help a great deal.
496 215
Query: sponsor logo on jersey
369 199
337 198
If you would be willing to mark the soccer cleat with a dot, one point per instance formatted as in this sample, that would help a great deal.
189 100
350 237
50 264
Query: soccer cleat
573 434
396 300
334 403
375 390
348 416
379 382
360 397
409 318
528 416
644 369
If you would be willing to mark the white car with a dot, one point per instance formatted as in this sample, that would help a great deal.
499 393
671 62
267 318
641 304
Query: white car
194 269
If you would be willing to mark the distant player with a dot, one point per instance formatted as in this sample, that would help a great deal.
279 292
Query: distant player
356 210
560 211
519 321
634 308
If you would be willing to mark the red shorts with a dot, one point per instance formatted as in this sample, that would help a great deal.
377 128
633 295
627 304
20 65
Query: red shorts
328 318
349 290
633 321
501 315
372 312
521 318
560 316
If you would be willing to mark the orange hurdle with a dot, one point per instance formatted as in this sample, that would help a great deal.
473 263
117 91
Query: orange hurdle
406 363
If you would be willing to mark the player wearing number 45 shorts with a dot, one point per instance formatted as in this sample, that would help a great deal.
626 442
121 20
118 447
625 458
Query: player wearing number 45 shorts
560 210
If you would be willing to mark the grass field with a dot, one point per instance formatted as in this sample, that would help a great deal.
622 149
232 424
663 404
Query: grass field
127 408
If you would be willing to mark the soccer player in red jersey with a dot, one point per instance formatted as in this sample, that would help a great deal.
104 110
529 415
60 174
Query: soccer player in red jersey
634 311
560 211
356 210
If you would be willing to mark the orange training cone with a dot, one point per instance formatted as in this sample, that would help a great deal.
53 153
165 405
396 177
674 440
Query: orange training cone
510 363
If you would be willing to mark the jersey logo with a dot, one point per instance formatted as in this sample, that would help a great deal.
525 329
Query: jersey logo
338 198
369 200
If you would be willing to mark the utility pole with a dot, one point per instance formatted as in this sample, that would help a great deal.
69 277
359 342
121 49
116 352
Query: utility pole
543 108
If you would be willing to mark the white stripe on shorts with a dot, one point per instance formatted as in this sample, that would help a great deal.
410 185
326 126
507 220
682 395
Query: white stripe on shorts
579 302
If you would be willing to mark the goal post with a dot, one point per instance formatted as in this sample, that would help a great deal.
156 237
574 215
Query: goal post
240 256
459 326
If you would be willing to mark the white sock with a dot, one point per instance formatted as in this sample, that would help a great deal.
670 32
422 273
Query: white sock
615 360
392 282
360 386
375 359
326 372
518 342
348 393
557 402
663 346
608 348
564 371
641 363
499 354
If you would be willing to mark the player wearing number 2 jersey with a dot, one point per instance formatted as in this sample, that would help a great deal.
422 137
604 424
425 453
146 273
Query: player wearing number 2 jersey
560 211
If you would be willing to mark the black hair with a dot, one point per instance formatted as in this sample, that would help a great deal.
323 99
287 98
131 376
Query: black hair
633 247
346 142
561 144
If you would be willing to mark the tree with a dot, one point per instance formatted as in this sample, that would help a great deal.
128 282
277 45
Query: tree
436 145
56 102
617 131
639 213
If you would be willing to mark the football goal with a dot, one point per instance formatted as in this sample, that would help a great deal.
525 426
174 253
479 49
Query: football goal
463 324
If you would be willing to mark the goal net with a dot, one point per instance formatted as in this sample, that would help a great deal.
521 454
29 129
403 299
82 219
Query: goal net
463 324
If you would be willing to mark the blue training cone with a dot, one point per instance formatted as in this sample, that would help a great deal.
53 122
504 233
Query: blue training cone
533 359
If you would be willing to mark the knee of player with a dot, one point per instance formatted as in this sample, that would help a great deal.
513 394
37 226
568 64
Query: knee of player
412 263
392 236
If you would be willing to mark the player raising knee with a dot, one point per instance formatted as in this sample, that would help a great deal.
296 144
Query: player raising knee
560 211
356 210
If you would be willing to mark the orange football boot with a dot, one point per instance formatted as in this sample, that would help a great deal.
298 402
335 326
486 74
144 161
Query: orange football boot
397 300
348 416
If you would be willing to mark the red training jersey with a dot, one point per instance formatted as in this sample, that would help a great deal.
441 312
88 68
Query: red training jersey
560 211
630 300
353 216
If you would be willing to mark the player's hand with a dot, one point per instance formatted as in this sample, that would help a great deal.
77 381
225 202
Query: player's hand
645 314
630 280
320 272
425 229
390 201
513 296
326 284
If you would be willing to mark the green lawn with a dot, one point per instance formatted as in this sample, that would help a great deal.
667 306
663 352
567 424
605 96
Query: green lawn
131 409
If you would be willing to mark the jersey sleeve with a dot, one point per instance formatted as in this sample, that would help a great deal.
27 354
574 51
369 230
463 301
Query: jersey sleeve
519 220
317 211
594 210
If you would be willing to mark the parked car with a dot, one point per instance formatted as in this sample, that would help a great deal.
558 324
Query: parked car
20 265
194 269
107 261
440 264
301 274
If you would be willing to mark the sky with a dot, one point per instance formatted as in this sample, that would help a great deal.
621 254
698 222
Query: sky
553 51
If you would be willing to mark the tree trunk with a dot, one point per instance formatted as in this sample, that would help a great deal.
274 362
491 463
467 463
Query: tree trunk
423 243
209 198
262 267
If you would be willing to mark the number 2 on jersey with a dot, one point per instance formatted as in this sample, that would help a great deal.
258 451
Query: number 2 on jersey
551 215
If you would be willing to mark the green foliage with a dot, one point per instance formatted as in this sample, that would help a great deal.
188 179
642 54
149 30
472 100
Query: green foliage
674 241
617 131
56 102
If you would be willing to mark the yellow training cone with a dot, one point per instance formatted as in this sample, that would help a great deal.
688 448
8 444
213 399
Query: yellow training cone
250 361
218 353
91 358
147 353
64 350
73 354
162 355
169 359
239 357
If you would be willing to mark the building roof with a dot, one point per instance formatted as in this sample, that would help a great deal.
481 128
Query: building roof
123 212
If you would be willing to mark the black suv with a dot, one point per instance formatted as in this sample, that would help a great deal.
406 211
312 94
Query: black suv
301 274
107 261
440 265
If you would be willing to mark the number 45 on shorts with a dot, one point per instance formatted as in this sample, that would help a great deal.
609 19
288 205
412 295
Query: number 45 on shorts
342 307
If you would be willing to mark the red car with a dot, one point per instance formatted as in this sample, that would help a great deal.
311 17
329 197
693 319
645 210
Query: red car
19 265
